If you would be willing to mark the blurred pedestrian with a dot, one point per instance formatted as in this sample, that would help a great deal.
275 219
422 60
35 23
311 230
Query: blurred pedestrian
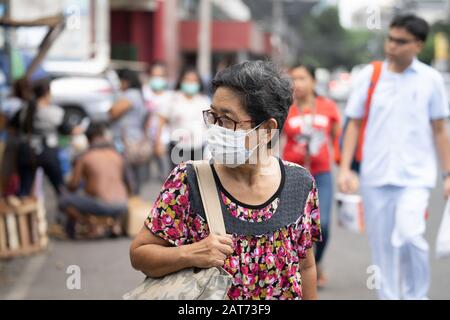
184 119
158 97
129 117
312 128
404 129
9 107
268 248
101 172
39 124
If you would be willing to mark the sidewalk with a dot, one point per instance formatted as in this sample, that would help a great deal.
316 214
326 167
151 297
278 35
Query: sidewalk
106 272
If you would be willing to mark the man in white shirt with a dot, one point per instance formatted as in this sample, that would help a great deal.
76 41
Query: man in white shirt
405 127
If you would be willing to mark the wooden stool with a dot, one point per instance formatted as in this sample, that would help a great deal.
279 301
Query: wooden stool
22 227
89 226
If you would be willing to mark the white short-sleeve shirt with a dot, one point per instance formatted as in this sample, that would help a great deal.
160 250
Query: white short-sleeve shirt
158 104
399 146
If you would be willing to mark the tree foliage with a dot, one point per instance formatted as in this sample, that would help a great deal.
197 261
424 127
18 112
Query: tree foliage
427 54
325 43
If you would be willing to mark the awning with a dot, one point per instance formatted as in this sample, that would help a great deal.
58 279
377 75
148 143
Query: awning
234 9
56 25
141 5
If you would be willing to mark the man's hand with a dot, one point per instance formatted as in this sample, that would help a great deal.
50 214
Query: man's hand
442 142
348 181
447 187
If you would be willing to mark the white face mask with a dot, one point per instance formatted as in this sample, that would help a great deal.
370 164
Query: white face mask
228 147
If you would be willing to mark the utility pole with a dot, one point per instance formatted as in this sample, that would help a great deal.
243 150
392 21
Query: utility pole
448 11
8 45
204 40
277 20
170 32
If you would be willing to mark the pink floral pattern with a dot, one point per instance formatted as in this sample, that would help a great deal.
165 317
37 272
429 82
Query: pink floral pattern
263 266
250 214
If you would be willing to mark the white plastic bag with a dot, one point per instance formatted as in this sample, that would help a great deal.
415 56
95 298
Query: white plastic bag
350 212
443 237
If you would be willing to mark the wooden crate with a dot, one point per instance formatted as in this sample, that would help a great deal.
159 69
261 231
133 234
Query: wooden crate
138 211
22 227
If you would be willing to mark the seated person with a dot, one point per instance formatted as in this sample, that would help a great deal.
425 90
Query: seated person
102 170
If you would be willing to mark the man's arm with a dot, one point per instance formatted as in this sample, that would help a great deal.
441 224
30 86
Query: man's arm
346 178
76 177
442 142
350 142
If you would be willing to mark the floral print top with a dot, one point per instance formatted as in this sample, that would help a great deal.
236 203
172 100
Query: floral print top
264 266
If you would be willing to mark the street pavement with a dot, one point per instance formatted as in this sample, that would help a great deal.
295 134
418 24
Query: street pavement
106 272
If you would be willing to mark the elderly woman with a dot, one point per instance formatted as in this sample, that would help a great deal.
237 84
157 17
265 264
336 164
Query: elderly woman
270 207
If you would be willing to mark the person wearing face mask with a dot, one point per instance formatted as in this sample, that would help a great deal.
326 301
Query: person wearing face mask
128 115
269 206
312 127
184 120
158 97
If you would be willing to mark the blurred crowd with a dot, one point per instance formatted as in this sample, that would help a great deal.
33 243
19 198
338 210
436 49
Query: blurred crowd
94 167
154 124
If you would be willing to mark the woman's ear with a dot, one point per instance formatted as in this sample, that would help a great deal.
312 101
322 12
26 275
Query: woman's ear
270 127
271 124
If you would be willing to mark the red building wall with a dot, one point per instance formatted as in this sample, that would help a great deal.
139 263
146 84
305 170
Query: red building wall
226 36
140 29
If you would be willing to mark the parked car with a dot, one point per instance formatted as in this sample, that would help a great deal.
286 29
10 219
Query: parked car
340 85
86 95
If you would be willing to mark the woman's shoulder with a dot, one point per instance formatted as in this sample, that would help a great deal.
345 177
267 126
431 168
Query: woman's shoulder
51 113
293 111
289 164
177 178
327 107
179 169
299 172
133 92
326 102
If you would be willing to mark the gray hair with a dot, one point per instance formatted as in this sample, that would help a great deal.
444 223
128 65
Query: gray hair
265 91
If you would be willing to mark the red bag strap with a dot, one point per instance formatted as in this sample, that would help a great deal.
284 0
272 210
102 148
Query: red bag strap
377 67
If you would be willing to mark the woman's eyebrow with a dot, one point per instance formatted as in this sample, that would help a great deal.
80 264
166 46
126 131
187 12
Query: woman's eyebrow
222 109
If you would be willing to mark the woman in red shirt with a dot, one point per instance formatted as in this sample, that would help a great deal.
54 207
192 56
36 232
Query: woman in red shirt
312 125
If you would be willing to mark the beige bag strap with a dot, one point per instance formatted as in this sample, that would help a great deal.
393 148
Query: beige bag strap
210 198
